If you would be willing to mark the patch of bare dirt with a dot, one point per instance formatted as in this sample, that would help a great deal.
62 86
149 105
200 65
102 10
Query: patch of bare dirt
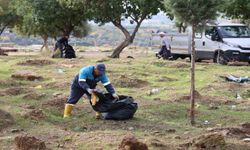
126 82
34 96
58 85
131 143
166 79
26 75
242 131
56 103
29 143
209 141
9 83
36 114
230 86
157 143
208 99
13 91
179 65
5 119
39 62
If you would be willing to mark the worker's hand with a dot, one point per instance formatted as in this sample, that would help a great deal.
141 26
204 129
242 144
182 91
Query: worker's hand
90 91
116 97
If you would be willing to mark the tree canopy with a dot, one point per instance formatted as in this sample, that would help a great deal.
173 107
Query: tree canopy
237 9
7 16
113 11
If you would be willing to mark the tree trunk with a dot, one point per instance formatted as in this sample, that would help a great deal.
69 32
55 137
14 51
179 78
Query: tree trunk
128 38
2 29
192 90
45 43
118 50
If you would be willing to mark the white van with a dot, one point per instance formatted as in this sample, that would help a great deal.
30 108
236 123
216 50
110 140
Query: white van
221 42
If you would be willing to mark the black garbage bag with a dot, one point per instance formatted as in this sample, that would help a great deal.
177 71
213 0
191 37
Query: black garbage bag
69 52
121 109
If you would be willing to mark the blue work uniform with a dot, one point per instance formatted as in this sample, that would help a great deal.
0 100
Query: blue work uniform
84 80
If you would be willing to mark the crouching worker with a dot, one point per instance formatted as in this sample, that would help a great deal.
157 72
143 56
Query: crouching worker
85 83
59 46
165 47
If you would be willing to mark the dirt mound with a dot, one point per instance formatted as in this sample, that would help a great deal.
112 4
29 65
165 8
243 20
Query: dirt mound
208 99
166 79
5 119
57 103
13 91
131 143
29 143
26 75
35 114
179 65
9 83
39 62
127 82
209 141
58 85
197 95
34 96
16 91
242 131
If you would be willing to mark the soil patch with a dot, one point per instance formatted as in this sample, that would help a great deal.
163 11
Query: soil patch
34 96
26 75
166 79
209 141
58 85
242 131
29 143
208 99
13 91
5 119
56 103
127 82
179 65
9 83
39 62
35 114
131 143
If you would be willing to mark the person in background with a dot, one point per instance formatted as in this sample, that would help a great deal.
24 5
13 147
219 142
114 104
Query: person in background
164 52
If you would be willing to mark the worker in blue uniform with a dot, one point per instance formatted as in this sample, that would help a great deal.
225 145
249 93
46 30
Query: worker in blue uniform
85 83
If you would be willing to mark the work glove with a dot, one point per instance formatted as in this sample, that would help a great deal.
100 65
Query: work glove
90 91
115 96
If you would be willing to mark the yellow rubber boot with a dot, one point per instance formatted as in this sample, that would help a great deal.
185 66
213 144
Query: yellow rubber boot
98 115
67 110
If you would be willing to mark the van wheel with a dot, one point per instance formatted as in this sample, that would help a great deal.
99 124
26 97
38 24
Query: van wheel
220 58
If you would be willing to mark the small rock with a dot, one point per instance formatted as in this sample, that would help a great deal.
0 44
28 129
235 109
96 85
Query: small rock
171 130
213 107
246 140
153 91
206 122
131 128
57 94
177 137
16 130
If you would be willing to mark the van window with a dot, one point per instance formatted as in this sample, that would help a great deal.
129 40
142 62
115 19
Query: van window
234 31
209 31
